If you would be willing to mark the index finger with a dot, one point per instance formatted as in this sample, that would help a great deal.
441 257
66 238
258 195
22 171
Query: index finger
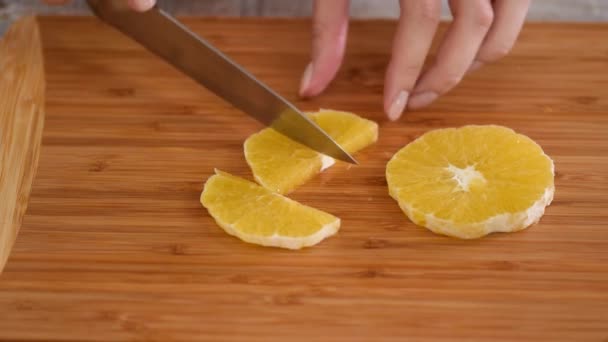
417 25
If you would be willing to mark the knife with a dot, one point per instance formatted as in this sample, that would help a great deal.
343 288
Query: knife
166 37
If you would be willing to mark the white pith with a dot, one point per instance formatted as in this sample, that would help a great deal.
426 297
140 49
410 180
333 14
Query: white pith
288 242
326 162
464 177
506 222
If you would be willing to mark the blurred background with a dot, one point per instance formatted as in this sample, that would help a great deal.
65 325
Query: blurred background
541 10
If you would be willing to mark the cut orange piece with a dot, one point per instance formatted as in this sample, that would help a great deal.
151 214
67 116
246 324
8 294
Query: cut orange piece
281 164
257 215
471 181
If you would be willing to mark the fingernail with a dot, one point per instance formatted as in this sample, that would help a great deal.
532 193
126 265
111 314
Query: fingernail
306 79
422 99
475 65
148 4
398 105
141 5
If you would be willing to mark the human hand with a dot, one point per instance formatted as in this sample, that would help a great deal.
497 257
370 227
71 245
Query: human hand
136 5
482 32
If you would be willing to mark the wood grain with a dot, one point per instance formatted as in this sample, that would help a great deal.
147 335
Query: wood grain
116 247
21 121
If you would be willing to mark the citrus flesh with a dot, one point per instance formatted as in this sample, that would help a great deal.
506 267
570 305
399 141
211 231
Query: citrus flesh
281 164
471 181
257 215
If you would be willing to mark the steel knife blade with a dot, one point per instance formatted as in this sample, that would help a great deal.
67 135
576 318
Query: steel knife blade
169 39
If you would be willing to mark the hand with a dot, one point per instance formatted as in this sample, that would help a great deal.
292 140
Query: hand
482 32
136 5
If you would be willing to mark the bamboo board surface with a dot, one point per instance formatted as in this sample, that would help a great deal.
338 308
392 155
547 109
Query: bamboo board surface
21 121
116 247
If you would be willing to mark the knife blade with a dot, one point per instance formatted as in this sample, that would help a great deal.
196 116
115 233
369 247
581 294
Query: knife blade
169 39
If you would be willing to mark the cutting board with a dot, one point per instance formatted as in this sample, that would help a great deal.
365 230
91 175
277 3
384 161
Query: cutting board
116 247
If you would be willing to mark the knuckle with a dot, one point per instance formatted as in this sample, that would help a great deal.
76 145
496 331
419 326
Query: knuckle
411 69
450 80
495 52
402 73
407 75
483 15
427 11
319 28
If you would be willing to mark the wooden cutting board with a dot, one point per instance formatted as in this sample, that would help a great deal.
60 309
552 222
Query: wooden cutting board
116 247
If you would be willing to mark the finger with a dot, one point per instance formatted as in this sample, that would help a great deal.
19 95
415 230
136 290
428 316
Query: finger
330 27
56 2
141 5
417 25
509 17
472 20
